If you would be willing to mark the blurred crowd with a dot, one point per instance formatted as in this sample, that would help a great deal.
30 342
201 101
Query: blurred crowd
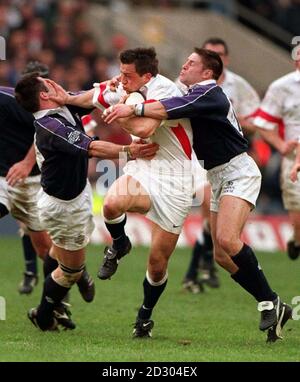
57 34
285 13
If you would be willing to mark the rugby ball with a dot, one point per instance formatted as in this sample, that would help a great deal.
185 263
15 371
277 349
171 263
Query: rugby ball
133 98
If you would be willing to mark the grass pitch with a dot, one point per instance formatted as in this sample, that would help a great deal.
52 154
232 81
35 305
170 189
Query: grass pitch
218 325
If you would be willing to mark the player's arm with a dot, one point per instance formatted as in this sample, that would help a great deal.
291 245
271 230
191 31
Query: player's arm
101 96
62 97
247 124
296 166
140 127
247 107
108 150
20 170
272 137
57 136
153 110
186 106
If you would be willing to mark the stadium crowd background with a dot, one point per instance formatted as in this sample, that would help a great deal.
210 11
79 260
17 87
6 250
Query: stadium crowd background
57 34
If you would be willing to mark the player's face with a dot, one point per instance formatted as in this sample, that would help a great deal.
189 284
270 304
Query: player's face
193 71
220 50
48 85
130 79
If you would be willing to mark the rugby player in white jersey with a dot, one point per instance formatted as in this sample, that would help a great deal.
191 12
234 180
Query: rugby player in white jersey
278 120
162 188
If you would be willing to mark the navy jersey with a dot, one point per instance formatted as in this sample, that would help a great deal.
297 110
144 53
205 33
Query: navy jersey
217 134
62 152
16 132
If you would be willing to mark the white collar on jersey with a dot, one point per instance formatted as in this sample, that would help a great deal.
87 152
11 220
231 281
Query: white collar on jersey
206 82
63 111
144 89
297 75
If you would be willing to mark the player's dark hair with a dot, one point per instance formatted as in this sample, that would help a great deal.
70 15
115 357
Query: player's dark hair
211 60
216 41
36 67
27 92
144 59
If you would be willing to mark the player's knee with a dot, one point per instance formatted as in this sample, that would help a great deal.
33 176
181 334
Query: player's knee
67 276
112 207
157 269
3 210
226 243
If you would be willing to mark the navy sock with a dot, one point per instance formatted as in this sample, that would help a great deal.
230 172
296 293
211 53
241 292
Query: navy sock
53 293
251 277
192 271
29 255
117 233
151 296
208 255
49 265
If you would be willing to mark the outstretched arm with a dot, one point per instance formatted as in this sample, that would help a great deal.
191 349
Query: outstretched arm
62 97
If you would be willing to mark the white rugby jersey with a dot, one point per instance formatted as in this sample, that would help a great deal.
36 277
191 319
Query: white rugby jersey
242 95
281 107
175 137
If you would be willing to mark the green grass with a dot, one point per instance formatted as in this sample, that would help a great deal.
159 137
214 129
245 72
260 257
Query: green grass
219 325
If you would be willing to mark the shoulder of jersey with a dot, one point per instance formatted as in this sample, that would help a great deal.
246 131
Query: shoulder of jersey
134 97
283 81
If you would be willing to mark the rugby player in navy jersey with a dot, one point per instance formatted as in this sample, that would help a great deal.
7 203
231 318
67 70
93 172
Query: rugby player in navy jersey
19 185
64 201
234 177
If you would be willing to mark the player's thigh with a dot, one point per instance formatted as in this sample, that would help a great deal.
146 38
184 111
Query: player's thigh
205 207
128 194
40 241
4 198
24 202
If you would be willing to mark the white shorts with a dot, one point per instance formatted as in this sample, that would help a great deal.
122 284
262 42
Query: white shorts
171 195
69 222
290 190
240 177
199 173
21 200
